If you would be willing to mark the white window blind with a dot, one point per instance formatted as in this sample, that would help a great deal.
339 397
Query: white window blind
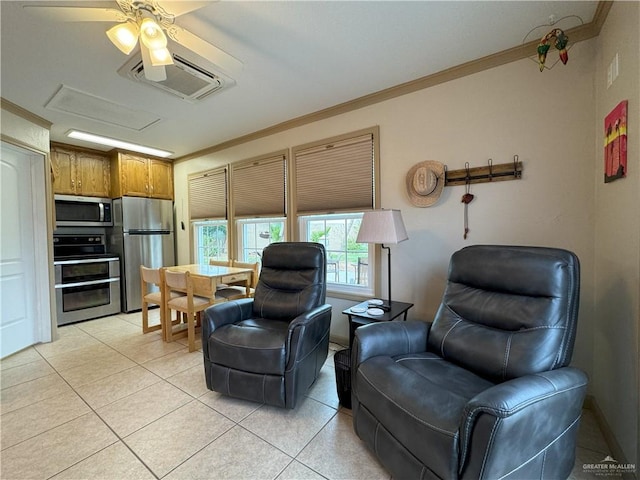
208 195
335 176
258 188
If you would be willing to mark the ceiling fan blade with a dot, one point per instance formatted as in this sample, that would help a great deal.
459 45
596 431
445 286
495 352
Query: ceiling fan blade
178 8
151 72
226 62
76 14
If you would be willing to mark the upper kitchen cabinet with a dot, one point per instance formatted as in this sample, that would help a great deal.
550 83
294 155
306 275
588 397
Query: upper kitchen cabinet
80 172
137 176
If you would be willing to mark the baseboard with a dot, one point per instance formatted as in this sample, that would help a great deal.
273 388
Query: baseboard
343 341
590 403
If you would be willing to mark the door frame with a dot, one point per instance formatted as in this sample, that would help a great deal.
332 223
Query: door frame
45 325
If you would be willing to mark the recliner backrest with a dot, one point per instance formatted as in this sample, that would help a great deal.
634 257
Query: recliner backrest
508 311
292 280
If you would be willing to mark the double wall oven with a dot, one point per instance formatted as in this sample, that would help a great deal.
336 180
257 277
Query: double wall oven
87 278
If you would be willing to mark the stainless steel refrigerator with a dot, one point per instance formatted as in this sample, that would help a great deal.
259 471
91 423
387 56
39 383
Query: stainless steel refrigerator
142 234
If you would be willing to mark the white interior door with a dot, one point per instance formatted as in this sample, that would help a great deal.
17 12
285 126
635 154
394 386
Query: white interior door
21 315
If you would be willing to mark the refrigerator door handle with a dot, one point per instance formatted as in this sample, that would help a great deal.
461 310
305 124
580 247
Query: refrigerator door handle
148 232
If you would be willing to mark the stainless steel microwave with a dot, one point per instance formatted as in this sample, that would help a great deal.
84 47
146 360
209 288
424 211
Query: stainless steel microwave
76 211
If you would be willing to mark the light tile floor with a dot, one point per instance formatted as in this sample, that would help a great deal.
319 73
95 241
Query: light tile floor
107 402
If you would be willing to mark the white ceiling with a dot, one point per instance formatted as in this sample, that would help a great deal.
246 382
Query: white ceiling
299 57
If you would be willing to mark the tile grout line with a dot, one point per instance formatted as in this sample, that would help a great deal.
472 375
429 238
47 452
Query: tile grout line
119 439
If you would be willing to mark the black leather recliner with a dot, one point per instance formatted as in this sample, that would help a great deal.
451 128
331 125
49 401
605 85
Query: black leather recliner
484 391
270 348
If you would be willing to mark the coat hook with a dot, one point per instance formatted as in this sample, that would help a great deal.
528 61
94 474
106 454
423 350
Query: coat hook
491 169
466 167
516 173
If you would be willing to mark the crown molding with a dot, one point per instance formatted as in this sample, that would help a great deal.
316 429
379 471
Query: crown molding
27 115
576 34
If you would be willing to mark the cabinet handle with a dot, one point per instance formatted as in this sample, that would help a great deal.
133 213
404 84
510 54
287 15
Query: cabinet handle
79 183
73 183
146 187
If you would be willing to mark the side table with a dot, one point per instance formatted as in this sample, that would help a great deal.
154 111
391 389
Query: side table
358 318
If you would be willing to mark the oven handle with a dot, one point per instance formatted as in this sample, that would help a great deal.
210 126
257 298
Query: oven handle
91 282
87 260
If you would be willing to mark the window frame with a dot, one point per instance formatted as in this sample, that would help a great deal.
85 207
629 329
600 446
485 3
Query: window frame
292 219
342 288
342 291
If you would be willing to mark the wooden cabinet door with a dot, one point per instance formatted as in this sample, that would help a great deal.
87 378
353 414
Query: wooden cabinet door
64 171
160 179
93 175
134 175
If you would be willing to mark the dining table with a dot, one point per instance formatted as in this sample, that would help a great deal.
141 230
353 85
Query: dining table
207 278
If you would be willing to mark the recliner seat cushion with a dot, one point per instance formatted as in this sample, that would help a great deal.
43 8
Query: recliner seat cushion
255 345
426 424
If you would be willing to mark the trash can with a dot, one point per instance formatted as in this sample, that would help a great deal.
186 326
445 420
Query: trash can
342 362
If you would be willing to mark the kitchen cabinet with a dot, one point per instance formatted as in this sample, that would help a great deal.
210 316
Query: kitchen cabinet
138 176
80 172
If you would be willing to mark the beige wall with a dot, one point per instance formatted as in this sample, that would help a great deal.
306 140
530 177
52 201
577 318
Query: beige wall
617 237
545 118
552 120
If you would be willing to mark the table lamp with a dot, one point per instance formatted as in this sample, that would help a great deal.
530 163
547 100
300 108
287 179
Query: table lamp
383 227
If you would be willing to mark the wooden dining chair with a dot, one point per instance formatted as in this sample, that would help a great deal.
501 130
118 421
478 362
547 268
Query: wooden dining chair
234 290
188 304
220 263
149 277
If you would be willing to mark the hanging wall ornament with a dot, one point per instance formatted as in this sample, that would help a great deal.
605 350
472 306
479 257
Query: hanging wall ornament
466 199
560 43
555 37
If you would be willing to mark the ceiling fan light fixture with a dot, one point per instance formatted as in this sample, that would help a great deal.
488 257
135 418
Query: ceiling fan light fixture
124 36
152 35
160 56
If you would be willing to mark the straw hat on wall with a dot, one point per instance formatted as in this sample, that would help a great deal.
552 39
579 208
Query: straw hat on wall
425 181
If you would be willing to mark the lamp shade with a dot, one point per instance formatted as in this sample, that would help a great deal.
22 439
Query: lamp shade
124 36
382 226
160 56
152 35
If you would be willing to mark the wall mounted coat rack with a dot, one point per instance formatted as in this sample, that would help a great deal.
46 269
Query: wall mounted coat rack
489 173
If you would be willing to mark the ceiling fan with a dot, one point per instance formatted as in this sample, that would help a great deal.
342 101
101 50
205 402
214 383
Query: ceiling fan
149 23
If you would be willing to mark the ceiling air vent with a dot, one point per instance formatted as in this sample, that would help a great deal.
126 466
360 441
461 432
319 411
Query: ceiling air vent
184 79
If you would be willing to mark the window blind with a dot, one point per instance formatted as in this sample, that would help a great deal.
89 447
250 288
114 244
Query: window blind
258 188
208 195
335 176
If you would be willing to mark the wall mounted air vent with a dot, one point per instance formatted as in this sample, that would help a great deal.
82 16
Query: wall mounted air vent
184 79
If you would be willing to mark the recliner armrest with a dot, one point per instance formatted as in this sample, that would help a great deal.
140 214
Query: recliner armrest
538 407
306 331
389 338
222 314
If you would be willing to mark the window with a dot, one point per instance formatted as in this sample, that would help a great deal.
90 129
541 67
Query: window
334 183
210 240
258 199
314 192
208 215
347 261
255 234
